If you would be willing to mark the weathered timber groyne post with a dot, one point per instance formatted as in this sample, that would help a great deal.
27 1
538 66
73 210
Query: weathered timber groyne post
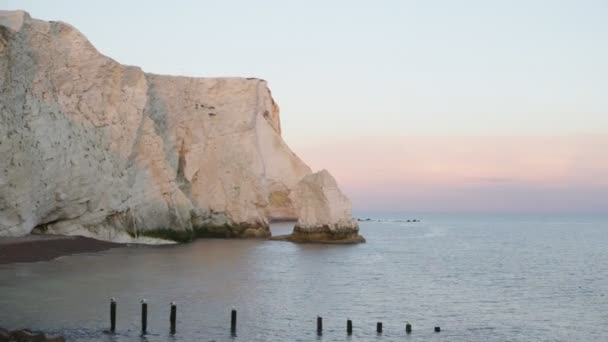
379 327
349 327
408 328
319 325
233 321
113 314
173 317
144 316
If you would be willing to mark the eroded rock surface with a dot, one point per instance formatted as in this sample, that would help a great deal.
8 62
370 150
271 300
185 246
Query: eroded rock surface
95 148
324 212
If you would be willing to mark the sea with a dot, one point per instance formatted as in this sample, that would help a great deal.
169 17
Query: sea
479 277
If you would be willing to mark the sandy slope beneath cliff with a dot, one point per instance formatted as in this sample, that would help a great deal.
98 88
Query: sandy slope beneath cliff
41 248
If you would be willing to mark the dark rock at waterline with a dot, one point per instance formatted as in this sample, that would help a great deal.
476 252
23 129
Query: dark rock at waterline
283 219
225 231
324 235
26 335
4 335
298 239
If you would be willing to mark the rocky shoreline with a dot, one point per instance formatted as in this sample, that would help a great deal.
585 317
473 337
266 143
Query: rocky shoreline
34 248
26 335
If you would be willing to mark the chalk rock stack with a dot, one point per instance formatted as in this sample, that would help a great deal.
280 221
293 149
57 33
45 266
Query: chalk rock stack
324 212
95 148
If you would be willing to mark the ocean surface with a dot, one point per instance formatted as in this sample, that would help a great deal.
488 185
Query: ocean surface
478 277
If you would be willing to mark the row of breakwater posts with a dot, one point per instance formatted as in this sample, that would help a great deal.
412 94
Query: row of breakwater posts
233 317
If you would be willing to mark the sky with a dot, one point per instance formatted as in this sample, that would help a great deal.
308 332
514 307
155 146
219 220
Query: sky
491 106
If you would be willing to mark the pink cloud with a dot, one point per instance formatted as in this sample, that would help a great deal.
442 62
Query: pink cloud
469 173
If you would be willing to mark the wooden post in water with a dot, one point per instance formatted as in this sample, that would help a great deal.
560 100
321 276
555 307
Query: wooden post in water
349 327
408 328
319 325
437 329
233 321
379 327
173 317
144 316
113 314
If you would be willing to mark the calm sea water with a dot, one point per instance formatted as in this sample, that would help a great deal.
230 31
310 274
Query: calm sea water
481 278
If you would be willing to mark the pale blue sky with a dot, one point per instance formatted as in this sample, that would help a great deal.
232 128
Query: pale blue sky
358 68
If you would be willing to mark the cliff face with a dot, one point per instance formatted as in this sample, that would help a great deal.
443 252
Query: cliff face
92 147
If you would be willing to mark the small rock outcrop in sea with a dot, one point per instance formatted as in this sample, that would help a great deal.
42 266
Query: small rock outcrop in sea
95 148
324 212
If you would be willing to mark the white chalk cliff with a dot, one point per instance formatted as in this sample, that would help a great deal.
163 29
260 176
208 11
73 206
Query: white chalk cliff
92 147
